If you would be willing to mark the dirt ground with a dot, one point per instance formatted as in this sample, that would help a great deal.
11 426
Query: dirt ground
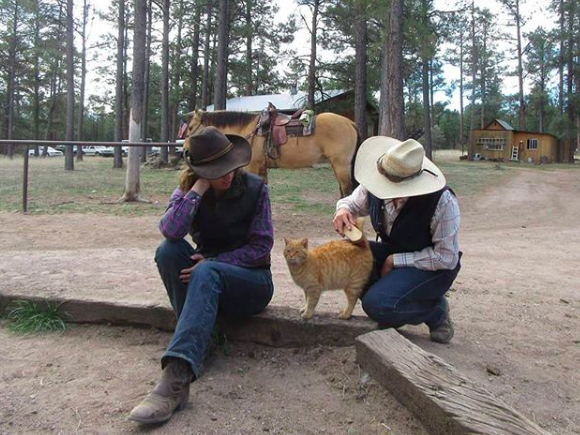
515 304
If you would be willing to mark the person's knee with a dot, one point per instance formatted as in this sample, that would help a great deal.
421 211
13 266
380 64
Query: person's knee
169 251
377 308
207 270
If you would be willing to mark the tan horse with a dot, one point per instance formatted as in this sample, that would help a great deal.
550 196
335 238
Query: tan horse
335 137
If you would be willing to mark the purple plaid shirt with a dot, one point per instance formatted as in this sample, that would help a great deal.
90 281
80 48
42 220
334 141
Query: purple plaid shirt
181 211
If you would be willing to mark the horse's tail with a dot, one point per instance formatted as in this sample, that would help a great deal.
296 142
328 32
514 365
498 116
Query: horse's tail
357 146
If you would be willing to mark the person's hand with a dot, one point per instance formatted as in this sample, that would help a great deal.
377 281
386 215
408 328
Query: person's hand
186 273
343 218
388 265
201 186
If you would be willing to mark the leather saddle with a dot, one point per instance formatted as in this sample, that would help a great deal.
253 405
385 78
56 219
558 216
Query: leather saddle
279 126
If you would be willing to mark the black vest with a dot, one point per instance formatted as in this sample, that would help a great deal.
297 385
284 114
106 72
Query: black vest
222 224
412 228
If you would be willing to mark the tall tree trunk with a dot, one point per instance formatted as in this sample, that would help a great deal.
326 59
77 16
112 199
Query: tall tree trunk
395 124
52 99
522 111
10 88
570 83
431 92
69 163
176 91
205 82
195 58
461 109
473 66
561 60
36 101
222 58
249 35
146 86
119 88
483 78
360 90
83 77
132 183
312 64
427 109
165 81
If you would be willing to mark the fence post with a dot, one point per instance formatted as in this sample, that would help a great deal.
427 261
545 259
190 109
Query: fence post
25 182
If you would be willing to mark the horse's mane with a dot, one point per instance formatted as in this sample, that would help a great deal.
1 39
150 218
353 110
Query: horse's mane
223 118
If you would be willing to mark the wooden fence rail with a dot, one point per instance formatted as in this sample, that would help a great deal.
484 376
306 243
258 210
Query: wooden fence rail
28 143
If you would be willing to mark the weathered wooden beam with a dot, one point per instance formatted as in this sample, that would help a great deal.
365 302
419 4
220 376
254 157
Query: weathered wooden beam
447 402
276 326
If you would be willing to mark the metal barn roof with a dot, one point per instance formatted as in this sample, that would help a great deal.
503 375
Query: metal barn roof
283 102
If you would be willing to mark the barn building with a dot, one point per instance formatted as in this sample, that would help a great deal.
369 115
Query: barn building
499 141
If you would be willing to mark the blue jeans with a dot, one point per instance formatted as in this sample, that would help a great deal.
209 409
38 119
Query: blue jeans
407 295
233 290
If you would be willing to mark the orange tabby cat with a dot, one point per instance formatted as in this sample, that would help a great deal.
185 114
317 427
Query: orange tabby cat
335 265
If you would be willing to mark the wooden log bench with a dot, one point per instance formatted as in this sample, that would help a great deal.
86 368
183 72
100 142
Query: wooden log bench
447 402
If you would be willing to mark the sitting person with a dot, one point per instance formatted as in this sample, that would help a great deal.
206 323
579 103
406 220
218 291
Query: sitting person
227 212
416 216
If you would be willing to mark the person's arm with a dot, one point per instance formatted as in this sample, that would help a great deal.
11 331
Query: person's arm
178 217
356 203
182 208
256 251
444 254
349 208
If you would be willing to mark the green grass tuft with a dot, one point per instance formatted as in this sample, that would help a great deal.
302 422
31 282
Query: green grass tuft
30 318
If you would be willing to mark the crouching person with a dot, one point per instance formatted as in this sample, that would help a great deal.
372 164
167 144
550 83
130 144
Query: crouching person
416 216
227 212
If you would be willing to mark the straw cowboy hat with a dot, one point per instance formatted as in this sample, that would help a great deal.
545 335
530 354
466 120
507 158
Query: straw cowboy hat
389 168
211 154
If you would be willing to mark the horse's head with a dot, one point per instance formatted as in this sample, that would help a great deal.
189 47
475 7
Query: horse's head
194 123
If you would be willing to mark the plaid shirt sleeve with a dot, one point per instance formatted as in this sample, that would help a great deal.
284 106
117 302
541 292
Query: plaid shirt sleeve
178 217
445 232
356 203
260 238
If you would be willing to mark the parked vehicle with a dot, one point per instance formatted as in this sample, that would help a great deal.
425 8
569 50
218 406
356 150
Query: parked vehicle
50 152
98 151
62 148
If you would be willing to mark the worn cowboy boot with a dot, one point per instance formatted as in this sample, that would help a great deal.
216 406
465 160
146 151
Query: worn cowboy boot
170 394
444 332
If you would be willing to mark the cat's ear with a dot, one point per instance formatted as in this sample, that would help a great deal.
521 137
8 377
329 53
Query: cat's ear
286 241
304 242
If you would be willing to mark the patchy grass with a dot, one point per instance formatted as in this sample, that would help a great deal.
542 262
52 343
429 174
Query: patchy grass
94 185
30 318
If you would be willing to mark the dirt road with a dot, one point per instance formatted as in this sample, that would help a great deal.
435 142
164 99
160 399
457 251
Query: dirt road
516 302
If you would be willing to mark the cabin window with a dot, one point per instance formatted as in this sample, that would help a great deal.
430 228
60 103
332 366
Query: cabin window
532 144
492 143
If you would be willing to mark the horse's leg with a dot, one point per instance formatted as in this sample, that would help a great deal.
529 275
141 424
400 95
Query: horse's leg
341 167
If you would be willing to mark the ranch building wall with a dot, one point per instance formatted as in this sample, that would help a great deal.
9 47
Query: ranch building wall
497 141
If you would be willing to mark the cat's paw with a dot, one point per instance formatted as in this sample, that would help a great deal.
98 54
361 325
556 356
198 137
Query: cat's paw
306 315
344 316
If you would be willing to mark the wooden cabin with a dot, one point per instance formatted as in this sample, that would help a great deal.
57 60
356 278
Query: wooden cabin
499 141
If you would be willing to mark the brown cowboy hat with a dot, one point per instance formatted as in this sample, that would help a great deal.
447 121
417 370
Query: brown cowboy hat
211 154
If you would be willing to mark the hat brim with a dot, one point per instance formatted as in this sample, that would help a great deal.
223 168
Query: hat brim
239 156
367 174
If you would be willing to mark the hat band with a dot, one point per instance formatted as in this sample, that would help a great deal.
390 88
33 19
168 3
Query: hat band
215 156
396 178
